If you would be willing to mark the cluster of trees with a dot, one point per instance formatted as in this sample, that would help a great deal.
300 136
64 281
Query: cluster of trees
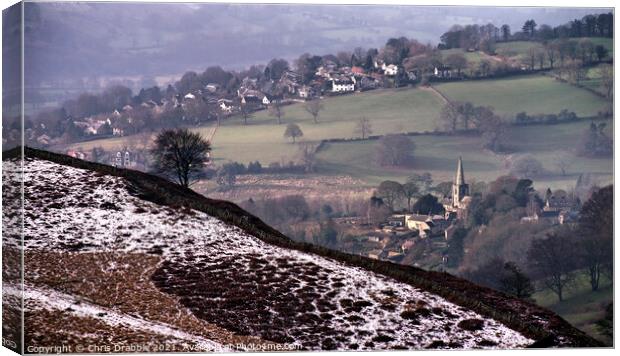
471 37
504 276
112 98
297 218
553 255
394 150
584 248
417 186
477 37
523 118
456 116
596 141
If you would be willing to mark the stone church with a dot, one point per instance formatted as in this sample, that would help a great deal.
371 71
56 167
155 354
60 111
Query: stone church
456 205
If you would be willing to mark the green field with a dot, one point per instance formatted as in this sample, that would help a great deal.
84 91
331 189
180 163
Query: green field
581 307
415 109
389 109
534 94
518 50
472 57
438 154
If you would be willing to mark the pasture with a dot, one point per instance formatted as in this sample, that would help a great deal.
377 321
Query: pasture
473 58
534 94
414 110
408 109
438 155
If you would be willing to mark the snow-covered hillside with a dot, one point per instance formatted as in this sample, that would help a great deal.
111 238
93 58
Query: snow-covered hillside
231 279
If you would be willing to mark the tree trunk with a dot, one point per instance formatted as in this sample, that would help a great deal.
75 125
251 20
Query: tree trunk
595 275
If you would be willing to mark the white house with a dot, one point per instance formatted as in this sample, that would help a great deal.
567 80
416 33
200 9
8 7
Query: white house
226 105
343 85
390 70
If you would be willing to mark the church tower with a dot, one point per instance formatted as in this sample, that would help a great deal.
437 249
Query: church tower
460 189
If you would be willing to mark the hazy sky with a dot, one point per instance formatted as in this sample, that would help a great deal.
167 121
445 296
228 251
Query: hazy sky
69 40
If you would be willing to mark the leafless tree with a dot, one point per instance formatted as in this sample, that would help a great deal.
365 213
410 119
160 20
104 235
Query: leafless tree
307 156
363 127
394 150
595 238
314 107
246 113
606 72
180 154
540 56
553 259
563 161
391 192
276 110
410 191
449 117
551 50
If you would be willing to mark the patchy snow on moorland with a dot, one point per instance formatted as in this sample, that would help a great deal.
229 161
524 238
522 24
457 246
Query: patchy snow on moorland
235 280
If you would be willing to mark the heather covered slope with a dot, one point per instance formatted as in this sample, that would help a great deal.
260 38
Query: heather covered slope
98 239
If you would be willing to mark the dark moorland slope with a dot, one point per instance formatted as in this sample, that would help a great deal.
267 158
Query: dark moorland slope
534 322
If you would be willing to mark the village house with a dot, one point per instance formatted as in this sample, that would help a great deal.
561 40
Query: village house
367 83
306 92
390 70
343 85
442 72
226 105
123 159
426 225
557 210
212 87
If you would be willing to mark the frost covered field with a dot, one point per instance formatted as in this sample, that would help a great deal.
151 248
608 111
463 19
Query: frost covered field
231 279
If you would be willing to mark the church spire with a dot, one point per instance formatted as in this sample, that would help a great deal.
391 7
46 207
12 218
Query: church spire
460 176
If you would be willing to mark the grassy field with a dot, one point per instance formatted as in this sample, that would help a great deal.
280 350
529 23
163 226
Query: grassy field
472 57
407 109
535 94
518 50
438 154
580 307
390 109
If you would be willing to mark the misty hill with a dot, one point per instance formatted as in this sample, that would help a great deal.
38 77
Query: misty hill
114 255
74 40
